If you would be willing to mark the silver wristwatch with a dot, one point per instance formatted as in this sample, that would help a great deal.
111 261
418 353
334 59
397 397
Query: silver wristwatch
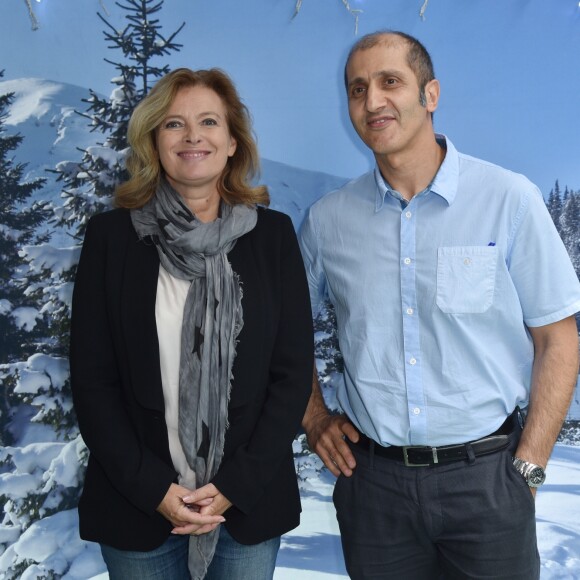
532 473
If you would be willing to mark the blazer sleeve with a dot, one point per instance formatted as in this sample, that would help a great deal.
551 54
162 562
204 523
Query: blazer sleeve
244 477
100 401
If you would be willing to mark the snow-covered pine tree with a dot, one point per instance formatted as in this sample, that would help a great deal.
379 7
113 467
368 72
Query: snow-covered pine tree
329 363
88 185
569 228
566 194
554 205
40 450
19 221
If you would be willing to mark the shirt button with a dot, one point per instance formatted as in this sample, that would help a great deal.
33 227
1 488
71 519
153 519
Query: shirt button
416 411
412 361
408 214
467 261
407 261
409 311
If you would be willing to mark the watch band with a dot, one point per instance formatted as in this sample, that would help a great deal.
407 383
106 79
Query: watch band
535 475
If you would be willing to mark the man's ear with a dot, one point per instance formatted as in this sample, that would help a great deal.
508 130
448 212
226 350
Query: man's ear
432 91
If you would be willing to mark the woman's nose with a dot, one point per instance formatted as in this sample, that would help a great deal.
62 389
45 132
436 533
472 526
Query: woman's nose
192 135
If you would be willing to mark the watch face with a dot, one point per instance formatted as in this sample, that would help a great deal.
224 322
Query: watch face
536 477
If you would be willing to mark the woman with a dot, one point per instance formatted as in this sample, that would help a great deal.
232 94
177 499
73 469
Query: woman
189 395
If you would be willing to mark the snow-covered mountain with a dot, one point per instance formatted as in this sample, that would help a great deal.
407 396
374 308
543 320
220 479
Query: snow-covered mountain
43 111
293 190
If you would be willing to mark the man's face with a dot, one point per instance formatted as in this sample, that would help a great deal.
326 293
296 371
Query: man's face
384 99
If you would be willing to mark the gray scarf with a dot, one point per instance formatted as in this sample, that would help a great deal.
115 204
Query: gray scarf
212 319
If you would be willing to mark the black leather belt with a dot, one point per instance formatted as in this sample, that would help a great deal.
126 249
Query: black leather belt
420 456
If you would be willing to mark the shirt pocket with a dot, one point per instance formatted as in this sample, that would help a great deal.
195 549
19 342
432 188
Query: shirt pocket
466 278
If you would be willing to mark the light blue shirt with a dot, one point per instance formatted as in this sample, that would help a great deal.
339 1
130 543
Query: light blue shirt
433 297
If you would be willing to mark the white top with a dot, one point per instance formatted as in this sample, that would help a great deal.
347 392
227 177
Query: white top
169 305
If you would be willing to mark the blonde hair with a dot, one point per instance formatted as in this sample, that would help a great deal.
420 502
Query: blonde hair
143 162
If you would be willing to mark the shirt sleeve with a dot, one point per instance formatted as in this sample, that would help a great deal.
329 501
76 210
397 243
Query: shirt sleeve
540 267
311 254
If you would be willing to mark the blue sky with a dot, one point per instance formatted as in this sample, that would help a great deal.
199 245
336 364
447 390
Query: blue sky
510 70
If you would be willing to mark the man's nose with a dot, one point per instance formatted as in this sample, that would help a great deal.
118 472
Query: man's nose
375 99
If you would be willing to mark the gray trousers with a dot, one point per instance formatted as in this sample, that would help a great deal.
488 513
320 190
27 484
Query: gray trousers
456 520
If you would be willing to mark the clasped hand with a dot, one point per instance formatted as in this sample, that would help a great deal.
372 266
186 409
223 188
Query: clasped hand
194 512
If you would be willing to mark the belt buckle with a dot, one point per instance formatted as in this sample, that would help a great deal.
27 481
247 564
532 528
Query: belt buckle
406 456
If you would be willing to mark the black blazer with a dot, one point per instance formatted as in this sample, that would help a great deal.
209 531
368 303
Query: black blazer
118 397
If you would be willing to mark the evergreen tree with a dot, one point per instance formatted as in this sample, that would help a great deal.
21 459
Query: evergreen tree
19 222
33 384
329 362
88 185
570 228
554 205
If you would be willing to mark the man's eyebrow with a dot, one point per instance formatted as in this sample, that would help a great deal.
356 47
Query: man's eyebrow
377 74
356 81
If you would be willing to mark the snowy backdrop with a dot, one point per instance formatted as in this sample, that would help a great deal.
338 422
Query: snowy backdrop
71 73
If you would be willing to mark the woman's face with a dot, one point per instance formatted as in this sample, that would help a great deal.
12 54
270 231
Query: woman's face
194 142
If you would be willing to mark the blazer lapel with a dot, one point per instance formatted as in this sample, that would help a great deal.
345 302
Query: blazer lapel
139 293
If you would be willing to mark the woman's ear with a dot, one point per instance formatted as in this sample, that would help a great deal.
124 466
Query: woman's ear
233 146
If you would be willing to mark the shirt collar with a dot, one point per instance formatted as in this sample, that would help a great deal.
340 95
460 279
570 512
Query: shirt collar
444 183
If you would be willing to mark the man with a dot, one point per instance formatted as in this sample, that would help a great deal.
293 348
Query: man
454 299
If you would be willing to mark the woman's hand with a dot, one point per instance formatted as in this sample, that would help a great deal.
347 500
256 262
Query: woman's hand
187 517
200 496
209 502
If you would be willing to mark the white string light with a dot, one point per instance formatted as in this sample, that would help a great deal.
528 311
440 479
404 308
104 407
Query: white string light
354 11
33 19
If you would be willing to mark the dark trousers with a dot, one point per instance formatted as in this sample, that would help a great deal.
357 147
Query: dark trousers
458 520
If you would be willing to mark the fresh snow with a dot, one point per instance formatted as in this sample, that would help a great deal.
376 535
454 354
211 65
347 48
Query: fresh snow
33 98
25 317
5 306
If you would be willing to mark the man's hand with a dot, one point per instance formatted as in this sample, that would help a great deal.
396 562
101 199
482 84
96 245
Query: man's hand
186 517
326 433
326 436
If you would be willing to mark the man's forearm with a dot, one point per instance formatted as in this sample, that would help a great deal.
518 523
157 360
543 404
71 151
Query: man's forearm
554 377
316 406
326 433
